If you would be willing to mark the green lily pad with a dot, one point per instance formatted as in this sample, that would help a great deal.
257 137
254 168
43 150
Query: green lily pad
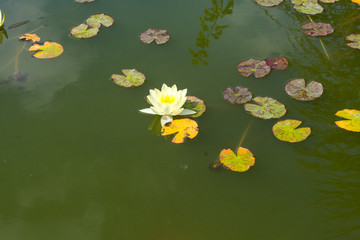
268 3
355 38
82 31
97 20
160 36
239 96
286 131
317 29
267 108
47 50
296 88
353 124
258 67
278 63
132 78
238 163
308 6
195 104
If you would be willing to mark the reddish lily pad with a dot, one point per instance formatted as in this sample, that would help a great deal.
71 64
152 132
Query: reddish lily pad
238 163
278 63
82 31
184 128
239 96
30 37
307 6
131 78
353 124
268 3
47 50
160 36
296 88
317 29
258 67
83 1
195 104
267 108
355 38
287 131
95 21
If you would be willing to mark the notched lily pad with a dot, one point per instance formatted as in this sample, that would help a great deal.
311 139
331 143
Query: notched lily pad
268 3
258 67
238 163
30 37
160 36
47 50
184 128
308 6
353 124
95 21
355 38
131 78
287 131
195 104
267 108
83 31
278 63
296 88
239 96
317 29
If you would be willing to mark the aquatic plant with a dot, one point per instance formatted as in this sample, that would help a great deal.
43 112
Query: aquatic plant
184 128
47 50
160 36
287 131
2 19
239 162
131 78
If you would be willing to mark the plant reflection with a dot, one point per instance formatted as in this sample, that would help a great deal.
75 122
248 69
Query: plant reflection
210 29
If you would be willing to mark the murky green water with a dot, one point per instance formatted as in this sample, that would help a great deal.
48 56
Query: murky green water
77 161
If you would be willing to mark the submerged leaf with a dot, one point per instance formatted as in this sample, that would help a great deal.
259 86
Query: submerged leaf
356 41
258 67
268 3
287 131
267 108
132 78
296 88
353 124
97 20
47 50
159 35
317 29
195 104
240 96
184 128
82 31
238 163
278 63
30 37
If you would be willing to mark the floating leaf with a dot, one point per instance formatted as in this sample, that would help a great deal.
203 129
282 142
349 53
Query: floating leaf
317 29
353 124
47 50
82 31
184 128
328 1
238 163
278 63
307 6
296 88
267 108
82 1
159 35
97 20
269 3
258 67
30 37
356 41
195 104
132 78
240 96
286 131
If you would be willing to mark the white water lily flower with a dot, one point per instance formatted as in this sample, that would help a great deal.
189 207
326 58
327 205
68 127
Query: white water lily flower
167 103
2 19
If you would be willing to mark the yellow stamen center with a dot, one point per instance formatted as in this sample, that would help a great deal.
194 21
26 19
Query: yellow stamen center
167 99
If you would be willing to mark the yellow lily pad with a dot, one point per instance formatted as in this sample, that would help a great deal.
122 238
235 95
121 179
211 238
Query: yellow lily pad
353 124
286 131
184 128
238 163
47 50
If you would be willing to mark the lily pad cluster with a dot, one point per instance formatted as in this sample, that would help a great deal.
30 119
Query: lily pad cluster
160 36
262 68
92 26
44 50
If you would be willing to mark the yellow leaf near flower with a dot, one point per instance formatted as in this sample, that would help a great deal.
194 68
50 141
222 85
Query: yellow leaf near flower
356 1
30 37
184 128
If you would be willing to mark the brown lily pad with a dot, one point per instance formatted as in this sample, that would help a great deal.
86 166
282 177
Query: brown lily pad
258 67
355 38
278 63
239 96
317 29
297 89
160 36
266 108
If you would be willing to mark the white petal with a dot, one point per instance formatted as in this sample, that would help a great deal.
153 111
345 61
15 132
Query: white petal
187 112
174 88
177 112
157 111
165 119
164 87
184 92
148 111
166 108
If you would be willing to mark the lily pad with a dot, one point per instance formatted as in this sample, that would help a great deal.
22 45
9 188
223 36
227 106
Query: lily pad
268 3
239 96
238 163
95 21
267 108
82 31
308 6
83 1
132 78
195 104
47 50
353 124
287 131
355 38
328 1
258 67
160 36
30 37
317 29
184 128
296 88
278 63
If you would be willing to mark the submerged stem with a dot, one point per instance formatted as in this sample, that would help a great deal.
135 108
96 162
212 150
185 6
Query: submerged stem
321 42
14 58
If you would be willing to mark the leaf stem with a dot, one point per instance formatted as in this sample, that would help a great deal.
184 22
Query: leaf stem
321 42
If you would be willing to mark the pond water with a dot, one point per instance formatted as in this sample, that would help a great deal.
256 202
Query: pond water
77 160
